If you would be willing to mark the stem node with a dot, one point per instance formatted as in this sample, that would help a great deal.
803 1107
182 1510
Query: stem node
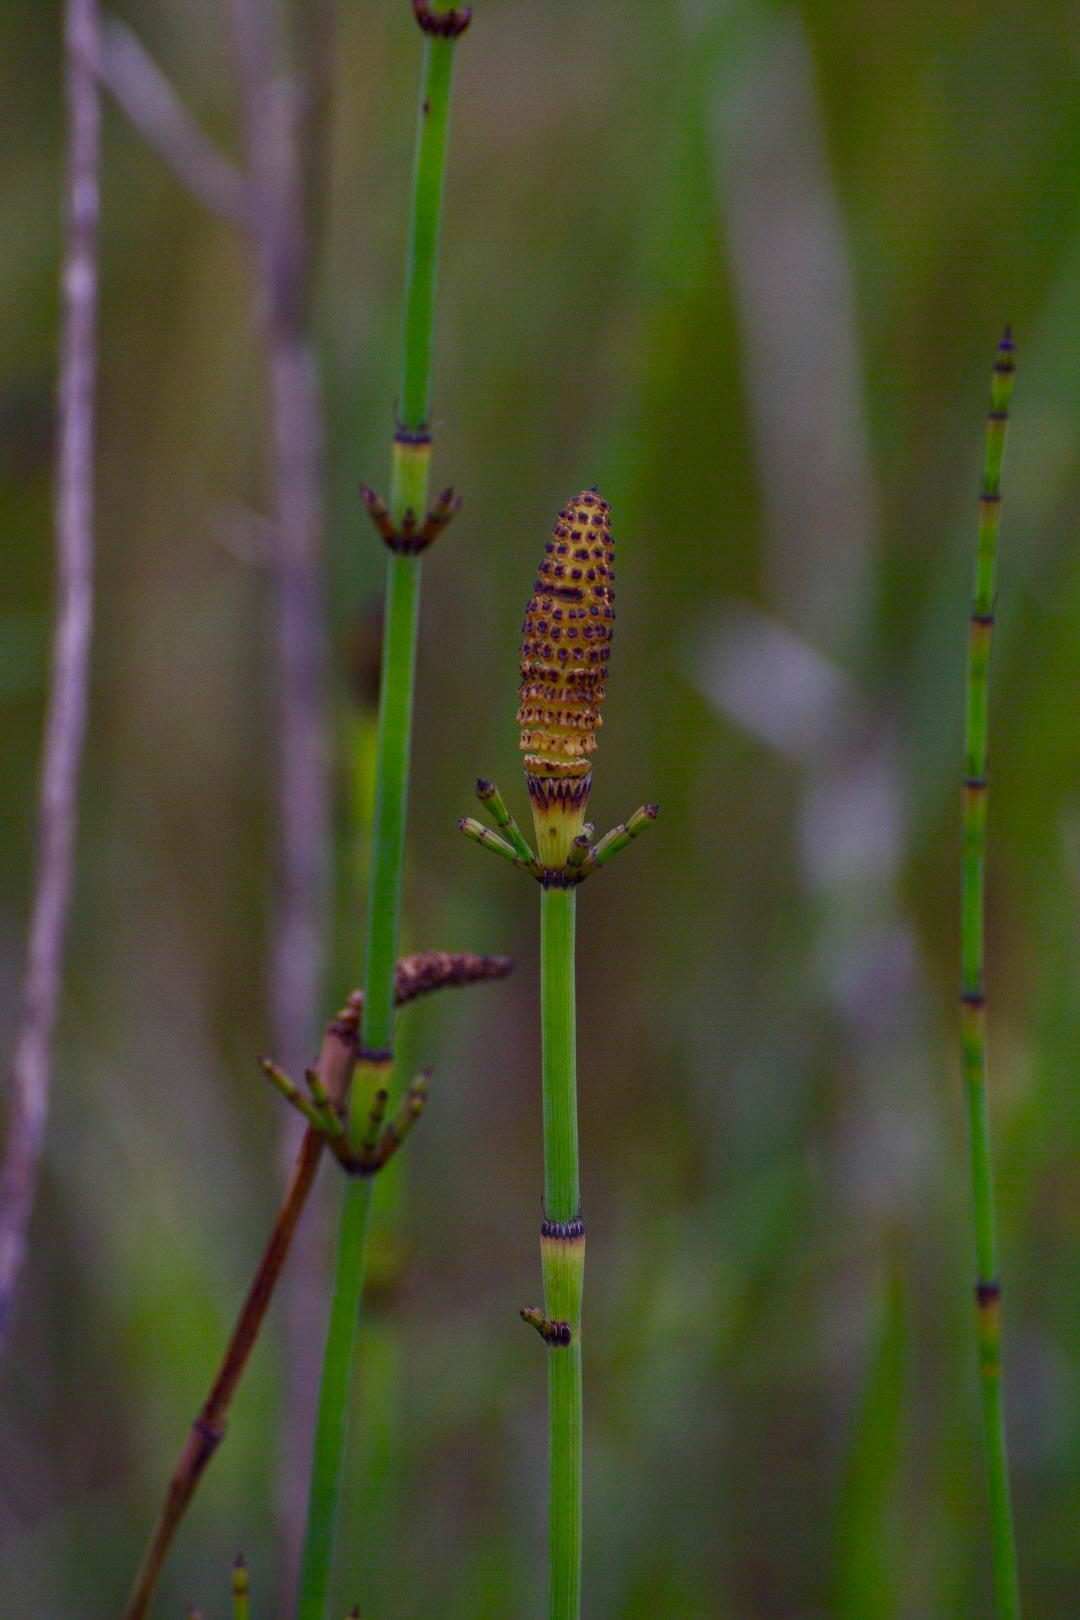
552 1333
442 24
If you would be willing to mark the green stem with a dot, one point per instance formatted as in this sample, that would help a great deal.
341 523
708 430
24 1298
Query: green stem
558 1014
433 120
562 1247
409 493
973 996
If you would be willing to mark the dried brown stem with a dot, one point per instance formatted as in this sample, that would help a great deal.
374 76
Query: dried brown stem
416 976
65 724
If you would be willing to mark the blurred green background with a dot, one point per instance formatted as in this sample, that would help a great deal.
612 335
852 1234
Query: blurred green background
743 265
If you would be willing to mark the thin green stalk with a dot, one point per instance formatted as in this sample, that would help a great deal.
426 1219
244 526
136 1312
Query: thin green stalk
562 1247
973 995
408 499
240 1590
565 647
558 1014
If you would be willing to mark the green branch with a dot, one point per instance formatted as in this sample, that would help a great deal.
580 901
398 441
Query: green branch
408 504
973 994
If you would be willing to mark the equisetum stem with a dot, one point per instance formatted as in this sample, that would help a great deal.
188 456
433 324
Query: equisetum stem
562 1247
973 995
409 494
558 1013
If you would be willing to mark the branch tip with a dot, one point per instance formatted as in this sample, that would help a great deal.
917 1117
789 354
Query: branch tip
449 25
552 1333
410 536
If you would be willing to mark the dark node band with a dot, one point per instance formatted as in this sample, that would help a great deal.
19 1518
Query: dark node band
407 435
984 620
560 877
559 1335
999 416
406 545
973 998
375 1055
975 784
563 1231
212 1435
361 1168
442 24
987 1293
990 497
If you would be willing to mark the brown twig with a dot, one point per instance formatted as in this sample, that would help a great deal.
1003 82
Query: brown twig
416 976
65 724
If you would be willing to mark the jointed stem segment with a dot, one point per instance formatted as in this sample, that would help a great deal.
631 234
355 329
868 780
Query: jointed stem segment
489 795
490 840
562 1247
973 995
240 1590
620 837
566 644
401 526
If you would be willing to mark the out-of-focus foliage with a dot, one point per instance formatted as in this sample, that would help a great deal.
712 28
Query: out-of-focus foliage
743 266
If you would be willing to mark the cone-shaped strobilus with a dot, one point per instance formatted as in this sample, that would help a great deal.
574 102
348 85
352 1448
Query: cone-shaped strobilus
565 649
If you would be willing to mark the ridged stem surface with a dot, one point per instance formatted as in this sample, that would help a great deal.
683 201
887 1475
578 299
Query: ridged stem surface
563 1257
973 997
409 492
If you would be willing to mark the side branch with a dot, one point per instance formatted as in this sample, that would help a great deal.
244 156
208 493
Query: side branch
141 90
442 24
415 976
65 724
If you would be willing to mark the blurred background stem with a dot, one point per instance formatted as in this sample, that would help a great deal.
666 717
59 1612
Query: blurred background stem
408 495
65 722
973 994
282 102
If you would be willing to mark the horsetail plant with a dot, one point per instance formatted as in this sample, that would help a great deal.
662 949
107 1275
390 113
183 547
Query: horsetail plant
408 526
973 992
349 1088
565 650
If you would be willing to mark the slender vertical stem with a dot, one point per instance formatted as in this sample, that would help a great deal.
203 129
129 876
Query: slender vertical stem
558 1014
409 493
376 1037
65 723
562 1247
973 995
281 256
